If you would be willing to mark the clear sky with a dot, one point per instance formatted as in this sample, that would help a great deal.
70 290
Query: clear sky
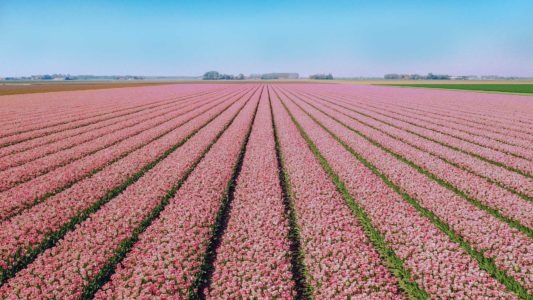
347 38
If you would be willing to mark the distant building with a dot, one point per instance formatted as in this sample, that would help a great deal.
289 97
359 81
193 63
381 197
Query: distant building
321 76
254 76
429 76
268 76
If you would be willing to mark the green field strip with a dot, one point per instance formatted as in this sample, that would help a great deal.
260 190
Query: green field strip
515 88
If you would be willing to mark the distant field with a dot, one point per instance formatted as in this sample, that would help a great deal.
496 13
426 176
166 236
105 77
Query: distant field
433 82
29 87
505 88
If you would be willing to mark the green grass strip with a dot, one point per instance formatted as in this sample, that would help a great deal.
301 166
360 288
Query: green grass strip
487 87
485 263
390 259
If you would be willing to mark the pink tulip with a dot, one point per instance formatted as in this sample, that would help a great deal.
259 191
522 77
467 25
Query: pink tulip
61 153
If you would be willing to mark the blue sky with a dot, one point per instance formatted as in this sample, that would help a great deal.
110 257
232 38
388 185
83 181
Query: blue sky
347 38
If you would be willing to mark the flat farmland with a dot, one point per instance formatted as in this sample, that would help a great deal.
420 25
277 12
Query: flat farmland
266 190
518 88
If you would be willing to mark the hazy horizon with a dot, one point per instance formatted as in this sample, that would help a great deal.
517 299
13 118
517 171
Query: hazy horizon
346 38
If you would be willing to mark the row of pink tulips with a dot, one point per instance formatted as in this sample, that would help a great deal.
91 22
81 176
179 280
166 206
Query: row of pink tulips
436 263
503 109
503 158
498 141
495 239
511 180
28 230
497 120
29 107
339 257
22 173
475 133
509 204
69 110
65 269
419 105
168 257
91 137
61 114
89 129
254 260
24 195
444 129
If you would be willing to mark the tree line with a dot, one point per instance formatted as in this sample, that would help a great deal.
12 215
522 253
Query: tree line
214 75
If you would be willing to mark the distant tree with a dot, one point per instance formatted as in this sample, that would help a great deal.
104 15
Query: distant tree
226 77
432 76
211 75
214 75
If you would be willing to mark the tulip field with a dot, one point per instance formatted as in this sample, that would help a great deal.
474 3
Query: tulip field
266 191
